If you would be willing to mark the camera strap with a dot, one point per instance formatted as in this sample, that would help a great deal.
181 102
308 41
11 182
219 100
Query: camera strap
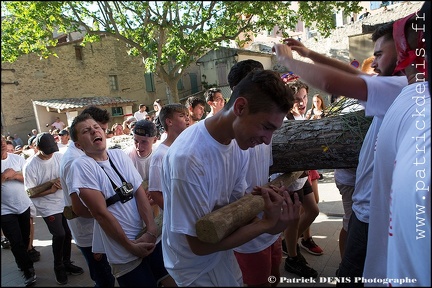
115 198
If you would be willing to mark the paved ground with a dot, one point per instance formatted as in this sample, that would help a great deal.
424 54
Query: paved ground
325 230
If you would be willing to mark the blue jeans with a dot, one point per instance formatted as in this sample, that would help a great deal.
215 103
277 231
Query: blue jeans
148 273
353 261
16 228
100 270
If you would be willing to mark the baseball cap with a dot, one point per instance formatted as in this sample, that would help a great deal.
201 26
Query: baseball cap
145 128
31 140
46 143
63 132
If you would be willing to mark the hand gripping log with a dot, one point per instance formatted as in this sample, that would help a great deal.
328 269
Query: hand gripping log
220 223
41 187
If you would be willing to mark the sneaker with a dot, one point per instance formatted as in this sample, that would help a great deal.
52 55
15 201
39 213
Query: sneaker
60 274
298 267
30 277
73 269
310 246
285 251
5 244
34 255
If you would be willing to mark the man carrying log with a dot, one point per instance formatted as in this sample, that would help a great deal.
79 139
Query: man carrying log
42 168
193 188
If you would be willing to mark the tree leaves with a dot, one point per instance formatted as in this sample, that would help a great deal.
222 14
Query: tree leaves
162 32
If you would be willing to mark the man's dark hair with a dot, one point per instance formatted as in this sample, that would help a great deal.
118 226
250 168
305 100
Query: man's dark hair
265 92
296 85
241 69
193 101
98 114
168 111
78 119
209 94
384 30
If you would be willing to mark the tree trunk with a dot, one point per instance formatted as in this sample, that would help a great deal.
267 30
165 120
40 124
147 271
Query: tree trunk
328 143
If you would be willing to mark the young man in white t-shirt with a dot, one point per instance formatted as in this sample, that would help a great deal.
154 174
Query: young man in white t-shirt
145 136
44 166
58 124
399 239
15 211
111 188
215 100
141 113
82 227
174 118
376 95
204 169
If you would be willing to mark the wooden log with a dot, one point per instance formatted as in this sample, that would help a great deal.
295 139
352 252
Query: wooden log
220 223
69 213
41 187
327 143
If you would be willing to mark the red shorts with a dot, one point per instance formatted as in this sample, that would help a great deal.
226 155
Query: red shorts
257 267
313 175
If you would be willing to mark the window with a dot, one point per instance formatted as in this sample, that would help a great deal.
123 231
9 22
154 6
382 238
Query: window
222 75
149 82
78 52
117 111
113 82
180 85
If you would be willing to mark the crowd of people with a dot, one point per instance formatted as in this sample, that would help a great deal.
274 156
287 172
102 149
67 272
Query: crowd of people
132 211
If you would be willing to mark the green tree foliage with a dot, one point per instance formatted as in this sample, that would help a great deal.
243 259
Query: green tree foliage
169 35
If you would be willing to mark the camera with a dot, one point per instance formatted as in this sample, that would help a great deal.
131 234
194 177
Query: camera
125 192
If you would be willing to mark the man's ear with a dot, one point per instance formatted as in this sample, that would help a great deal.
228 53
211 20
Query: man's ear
240 106
77 144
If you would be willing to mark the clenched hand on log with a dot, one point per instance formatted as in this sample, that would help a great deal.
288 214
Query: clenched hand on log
217 225
32 192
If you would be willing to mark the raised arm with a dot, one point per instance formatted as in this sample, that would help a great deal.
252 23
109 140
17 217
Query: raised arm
323 77
303 51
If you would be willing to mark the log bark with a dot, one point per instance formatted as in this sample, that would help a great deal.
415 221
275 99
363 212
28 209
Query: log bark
41 187
327 143
220 223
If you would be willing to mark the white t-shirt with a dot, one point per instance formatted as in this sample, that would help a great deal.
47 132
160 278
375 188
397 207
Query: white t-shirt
155 175
38 171
14 198
345 176
58 125
199 175
142 164
140 115
87 173
81 228
385 88
143 167
399 210
260 159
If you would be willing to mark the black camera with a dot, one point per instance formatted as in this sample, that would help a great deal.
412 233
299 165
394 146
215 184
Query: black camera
125 192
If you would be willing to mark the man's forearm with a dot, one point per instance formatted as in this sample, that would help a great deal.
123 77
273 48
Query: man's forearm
322 59
145 210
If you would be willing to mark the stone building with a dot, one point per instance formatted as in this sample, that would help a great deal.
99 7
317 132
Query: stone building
101 69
